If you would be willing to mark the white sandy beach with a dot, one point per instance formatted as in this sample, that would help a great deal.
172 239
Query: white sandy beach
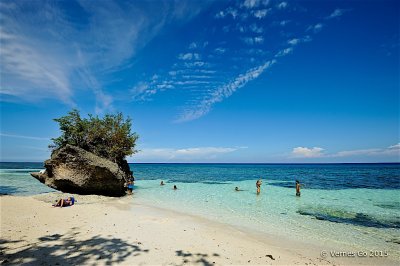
104 231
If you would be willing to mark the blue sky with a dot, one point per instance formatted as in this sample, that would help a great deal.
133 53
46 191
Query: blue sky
204 81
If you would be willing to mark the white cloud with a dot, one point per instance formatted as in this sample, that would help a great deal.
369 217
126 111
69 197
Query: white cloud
284 52
219 50
304 152
138 92
284 22
306 38
164 86
315 28
193 45
256 29
196 64
195 112
191 82
186 154
251 3
253 40
395 146
336 13
229 11
316 152
196 76
189 56
391 150
42 50
258 39
260 13
282 5
294 41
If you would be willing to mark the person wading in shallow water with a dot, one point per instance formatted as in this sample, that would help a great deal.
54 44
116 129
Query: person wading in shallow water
130 187
258 186
297 188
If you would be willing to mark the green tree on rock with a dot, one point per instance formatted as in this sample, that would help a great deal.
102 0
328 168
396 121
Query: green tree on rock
109 137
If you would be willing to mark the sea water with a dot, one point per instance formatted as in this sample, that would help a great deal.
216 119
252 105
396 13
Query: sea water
352 206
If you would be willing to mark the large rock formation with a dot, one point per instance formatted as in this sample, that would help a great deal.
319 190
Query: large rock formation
74 170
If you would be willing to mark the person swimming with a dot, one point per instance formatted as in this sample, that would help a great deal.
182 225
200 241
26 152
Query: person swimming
236 189
258 186
297 188
162 183
175 188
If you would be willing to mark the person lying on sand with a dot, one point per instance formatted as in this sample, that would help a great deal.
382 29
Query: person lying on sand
65 202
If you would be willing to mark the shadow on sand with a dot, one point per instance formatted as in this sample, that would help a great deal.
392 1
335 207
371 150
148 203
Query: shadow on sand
67 250
196 258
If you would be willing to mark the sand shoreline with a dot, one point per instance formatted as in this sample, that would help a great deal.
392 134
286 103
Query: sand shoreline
100 230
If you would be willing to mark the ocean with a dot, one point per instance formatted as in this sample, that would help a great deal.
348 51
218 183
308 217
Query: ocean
352 206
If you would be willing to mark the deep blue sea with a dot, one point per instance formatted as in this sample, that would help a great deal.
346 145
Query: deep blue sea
348 205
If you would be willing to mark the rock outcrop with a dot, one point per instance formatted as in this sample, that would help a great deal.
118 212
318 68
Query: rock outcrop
74 170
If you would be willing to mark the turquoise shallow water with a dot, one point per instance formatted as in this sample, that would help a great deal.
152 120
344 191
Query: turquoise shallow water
355 207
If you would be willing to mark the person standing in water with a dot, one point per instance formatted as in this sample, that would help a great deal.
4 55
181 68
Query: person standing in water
297 188
130 187
258 185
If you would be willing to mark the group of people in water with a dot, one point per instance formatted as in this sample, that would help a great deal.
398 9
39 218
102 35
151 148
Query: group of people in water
129 185
258 186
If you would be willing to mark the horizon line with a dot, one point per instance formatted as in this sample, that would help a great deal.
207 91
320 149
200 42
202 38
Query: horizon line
230 162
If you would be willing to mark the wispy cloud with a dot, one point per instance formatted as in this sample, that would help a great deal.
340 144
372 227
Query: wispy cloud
220 50
282 5
227 12
253 40
315 28
284 22
184 154
337 13
43 47
22 137
284 52
296 41
256 29
222 64
260 13
223 92
317 152
189 56
254 3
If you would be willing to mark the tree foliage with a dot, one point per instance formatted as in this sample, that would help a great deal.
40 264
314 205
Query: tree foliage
109 137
